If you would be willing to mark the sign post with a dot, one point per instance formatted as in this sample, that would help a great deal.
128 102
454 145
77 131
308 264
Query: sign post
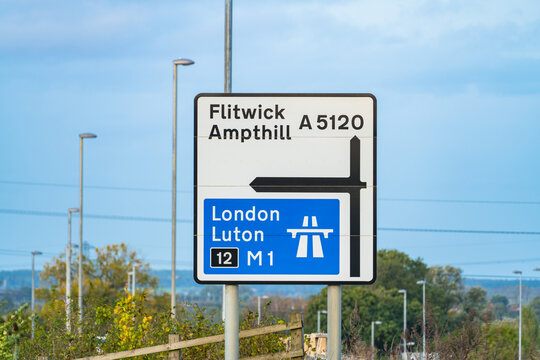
285 189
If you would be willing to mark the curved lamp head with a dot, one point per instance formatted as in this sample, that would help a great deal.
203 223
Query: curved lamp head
377 322
182 61
519 272
402 291
536 269
37 253
72 210
421 282
87 136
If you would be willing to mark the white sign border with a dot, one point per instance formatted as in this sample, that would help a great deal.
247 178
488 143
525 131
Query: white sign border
195 197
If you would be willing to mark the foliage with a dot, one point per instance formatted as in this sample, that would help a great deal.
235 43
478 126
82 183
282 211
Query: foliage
104 277
463 343
531 332
499 306
396 270
500 342
129 324
132 323
445 290
264 344
535 306
361 306
475 300
446 298
276 306
13 329
495 299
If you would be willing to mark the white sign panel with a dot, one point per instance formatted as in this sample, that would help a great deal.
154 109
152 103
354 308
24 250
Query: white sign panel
285 188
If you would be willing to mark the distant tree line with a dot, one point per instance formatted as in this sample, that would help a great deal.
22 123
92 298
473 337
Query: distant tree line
462 323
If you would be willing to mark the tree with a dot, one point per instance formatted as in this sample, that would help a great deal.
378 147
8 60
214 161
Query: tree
500 306
475 301
495 299
104 277
500 342
531 332
462 343
396 270
535 306
445 291
359 307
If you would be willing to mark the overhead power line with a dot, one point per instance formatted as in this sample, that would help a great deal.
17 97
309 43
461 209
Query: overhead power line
98 187
460 231
458 201
143 189
504 277
92 216
12 252
156 219
491 262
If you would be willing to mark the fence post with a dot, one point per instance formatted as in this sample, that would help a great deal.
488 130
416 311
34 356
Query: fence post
297 337
174 355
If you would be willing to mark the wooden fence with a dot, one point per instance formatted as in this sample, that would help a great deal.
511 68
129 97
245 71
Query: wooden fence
295 352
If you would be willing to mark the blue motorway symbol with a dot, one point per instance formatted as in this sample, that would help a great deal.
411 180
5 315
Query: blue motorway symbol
271 236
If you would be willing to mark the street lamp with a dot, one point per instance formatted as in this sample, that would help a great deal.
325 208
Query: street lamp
176 62
404 292
81 138
423 283
520 273
259 308
373 323
34 253
134 278
319 319
68 272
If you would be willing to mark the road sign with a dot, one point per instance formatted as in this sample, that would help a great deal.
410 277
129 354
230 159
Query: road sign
285 188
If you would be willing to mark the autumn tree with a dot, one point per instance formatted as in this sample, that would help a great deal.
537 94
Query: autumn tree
104 276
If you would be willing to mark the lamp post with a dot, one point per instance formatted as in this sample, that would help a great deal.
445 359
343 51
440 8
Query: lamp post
68 272
176 62
259 308
134 278
128 284
34 253
423 283
230 301
373 323
81 138
520 273
319 319
404 292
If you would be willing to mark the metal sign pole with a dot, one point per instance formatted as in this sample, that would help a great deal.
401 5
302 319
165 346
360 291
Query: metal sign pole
230 292
231 322
334 322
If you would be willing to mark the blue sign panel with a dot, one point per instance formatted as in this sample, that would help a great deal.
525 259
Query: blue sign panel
271 236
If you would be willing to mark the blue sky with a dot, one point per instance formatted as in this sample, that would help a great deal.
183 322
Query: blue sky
457 84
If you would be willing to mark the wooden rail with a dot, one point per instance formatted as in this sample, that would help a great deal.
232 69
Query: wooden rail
296 351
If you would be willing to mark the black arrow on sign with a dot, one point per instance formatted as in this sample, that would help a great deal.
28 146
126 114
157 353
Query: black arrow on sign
351 185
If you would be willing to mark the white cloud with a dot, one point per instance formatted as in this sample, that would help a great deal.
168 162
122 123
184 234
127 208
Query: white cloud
413 21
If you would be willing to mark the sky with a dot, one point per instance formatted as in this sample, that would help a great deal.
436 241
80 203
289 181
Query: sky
457 86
